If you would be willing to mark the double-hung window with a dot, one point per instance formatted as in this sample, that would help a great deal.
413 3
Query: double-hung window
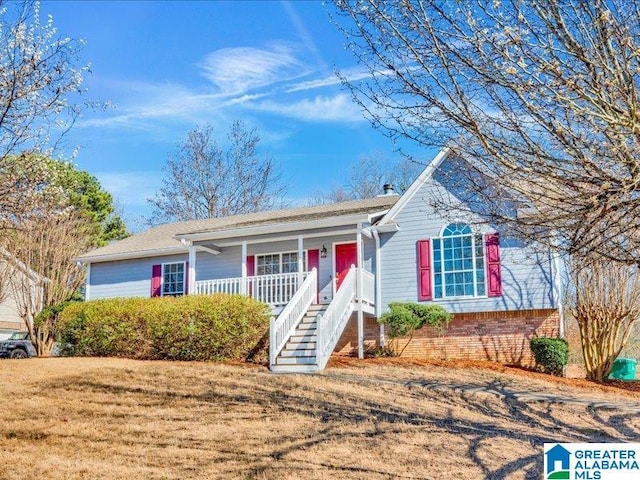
279 263
277 290
173 278
458 263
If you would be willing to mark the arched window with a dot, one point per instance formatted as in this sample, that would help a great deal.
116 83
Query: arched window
458 263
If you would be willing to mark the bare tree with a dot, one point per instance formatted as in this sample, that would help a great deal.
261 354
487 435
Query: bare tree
541 96
40 252
605 301
368 175
205 180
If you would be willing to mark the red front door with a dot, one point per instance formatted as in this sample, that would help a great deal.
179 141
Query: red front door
346 255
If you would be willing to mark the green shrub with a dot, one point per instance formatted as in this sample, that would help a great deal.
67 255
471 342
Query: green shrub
193 327
403 318
551 354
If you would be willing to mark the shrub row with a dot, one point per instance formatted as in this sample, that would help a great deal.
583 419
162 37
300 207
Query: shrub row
193 327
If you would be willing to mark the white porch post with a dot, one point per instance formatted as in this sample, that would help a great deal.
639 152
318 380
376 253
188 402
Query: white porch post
300 259
191 284
359 292
243 255
378 295
87 283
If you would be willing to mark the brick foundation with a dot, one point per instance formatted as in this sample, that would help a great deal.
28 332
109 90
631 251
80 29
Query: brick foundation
497 336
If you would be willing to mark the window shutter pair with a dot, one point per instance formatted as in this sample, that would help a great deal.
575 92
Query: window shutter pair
492 265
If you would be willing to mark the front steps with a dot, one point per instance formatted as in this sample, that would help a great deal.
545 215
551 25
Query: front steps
299 353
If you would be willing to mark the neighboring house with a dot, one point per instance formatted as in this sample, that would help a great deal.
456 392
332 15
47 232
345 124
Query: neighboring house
329 271
10 319
14 278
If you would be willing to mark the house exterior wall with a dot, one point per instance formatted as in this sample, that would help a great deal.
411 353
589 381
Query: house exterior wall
228 264
126 278
10 319
526 279
132 278
494 336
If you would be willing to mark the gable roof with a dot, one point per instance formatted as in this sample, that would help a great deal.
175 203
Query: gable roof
7 257
165 239
426 174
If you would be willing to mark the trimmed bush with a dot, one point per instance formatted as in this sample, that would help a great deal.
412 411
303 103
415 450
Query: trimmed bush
403 318
193 327
551 354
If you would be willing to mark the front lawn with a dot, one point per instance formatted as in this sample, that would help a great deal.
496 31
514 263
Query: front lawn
92 418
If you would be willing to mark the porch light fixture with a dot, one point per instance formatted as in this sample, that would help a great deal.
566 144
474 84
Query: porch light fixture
323 252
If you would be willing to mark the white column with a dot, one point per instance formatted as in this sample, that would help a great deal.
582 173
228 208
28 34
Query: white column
191 283
300 259
87 283
359 292
243 282
378 273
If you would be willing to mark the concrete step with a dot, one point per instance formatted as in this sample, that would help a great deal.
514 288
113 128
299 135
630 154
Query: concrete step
311 323
317 308
294 368
295 352
296 360
291 345
305 329
303 337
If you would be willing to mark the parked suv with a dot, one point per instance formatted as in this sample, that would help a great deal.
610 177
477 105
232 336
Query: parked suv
17 345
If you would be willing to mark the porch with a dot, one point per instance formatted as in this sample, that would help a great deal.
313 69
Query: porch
314 275
277 290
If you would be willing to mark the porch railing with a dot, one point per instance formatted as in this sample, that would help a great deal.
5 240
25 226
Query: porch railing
276 289
368 287
332 323
283 327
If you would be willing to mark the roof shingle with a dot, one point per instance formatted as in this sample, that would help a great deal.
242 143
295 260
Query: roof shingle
163 236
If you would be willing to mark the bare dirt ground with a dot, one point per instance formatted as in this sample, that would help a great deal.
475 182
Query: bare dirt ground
75 418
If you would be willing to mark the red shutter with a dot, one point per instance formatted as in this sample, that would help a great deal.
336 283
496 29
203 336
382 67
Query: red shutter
251 266
494 277
424 270
186 278
313 261
156 280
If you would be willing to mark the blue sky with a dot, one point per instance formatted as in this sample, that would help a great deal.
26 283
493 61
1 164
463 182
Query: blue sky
168 66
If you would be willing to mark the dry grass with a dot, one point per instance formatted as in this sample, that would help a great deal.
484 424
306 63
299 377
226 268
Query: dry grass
112 418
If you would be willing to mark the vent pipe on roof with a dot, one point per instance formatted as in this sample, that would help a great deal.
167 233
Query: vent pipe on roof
388 189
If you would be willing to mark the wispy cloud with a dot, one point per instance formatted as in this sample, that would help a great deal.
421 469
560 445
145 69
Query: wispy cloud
319 109
271 79
241 69
349 75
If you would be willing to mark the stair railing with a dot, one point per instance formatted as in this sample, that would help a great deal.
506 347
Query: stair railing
332 323
281 328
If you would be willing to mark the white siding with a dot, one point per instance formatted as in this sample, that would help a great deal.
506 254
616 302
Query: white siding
10 319
132 278
526 278
126 278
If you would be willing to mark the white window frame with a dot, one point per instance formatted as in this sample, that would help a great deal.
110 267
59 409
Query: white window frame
184 280
442 271
305 262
